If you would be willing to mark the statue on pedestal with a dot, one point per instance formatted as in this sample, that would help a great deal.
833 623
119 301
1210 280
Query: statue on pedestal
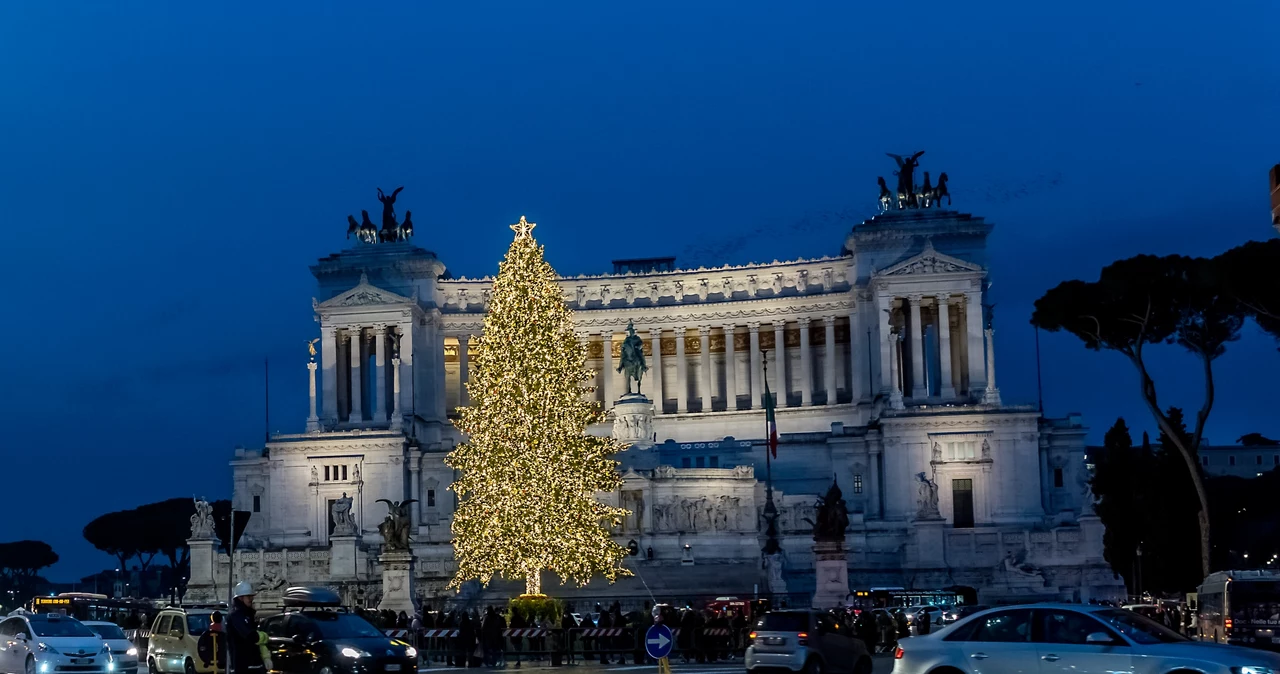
392 230
395 528
928 498
202 521
832 517
343 525
632 362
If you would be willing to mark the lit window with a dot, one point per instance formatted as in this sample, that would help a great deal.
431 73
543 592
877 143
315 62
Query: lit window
857 483
962 451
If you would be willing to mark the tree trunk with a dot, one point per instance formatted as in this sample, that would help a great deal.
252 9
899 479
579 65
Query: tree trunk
533 582
1149 396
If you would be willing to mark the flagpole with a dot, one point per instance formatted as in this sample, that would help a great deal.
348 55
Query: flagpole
770 510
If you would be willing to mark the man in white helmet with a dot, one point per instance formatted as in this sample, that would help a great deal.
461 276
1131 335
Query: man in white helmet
247 643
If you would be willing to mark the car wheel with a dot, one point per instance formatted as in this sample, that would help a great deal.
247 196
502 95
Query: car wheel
151 666
813 666
325 670
189 667
30 667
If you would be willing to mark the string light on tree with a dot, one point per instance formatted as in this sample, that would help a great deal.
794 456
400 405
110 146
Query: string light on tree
529 473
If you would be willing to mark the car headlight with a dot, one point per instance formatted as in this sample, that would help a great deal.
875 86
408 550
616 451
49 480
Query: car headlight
46 648
1254 670
132 652
354 653
410 652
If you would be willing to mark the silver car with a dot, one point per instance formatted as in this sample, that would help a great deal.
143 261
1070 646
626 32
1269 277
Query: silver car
808 641
1070 639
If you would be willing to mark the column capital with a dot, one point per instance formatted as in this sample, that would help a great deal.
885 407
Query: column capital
396 361
311 365
380 328
828 320
655 333
354 333
729 328
328 330
680 330
704 330
915 298
943 298
753 326
464 339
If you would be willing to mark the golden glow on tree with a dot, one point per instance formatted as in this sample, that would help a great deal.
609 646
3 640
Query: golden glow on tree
529 473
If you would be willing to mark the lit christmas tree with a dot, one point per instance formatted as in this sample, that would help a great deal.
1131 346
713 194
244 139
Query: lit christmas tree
529 473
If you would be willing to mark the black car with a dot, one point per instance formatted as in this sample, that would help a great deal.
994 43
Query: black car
313 636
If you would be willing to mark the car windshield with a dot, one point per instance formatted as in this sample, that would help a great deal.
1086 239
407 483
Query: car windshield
107 631
198 624
343 625
60 628
784 622
1139 628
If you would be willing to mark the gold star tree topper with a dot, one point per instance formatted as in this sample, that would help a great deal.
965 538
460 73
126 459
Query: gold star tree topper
524 228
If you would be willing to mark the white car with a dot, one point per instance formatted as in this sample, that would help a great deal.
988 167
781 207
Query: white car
1070 639
123 652
49 643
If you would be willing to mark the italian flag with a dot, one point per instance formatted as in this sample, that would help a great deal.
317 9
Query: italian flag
771 421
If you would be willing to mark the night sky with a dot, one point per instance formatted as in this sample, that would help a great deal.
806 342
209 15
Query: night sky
169 170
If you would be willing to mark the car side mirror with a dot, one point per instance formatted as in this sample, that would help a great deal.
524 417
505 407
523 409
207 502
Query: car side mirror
20 636
1099 638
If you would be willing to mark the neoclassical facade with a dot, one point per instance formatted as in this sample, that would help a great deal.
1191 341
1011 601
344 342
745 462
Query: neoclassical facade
883 363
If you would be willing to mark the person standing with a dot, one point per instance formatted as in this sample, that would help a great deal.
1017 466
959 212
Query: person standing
248 645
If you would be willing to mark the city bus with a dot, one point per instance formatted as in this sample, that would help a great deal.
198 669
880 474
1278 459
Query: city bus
89 606
1240 607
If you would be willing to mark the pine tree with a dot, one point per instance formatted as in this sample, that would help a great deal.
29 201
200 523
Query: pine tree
529 473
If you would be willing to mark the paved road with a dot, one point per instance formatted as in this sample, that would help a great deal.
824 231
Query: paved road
882 665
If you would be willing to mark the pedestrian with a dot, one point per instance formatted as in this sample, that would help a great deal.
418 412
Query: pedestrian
923 623
517 640
248 645
212 646
868 630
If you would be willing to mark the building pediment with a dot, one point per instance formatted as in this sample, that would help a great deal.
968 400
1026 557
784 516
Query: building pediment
365 294
929 261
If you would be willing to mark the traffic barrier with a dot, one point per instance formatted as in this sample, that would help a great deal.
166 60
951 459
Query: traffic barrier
397 634
523 632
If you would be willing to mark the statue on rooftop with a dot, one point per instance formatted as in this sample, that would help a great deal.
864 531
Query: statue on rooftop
391 231
906 179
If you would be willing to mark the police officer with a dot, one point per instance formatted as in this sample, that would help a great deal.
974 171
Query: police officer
248 644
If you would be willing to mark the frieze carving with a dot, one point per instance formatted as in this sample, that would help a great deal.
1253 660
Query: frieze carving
705 514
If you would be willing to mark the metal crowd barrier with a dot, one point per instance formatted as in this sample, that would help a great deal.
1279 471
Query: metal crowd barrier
592 643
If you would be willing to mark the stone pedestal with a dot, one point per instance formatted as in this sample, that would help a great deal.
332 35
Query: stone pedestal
204 559
397 582
930 542
342 557
831 574
633 420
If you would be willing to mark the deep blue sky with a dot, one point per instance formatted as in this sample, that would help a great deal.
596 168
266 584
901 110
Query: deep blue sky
169 170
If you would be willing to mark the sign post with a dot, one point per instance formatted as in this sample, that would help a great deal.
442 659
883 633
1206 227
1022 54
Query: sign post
658 643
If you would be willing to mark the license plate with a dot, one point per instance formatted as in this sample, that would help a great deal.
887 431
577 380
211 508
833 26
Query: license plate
775 641
82 661
393 668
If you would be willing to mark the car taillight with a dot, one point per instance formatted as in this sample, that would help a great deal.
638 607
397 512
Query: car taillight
802 638
1227 623
751 638
897 653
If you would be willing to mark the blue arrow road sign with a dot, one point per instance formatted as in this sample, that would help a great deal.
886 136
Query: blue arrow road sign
658 641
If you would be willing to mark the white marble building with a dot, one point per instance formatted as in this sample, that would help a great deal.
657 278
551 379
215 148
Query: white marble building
888 372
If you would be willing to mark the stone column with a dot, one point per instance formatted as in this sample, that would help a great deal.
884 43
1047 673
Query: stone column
464 370
757 377
873 484
397 418
329 378
806 365
947 388
704 357
379 362
973 330
655 370
357 378
886 345
730 370
682 373
780 362
609 397
313 421
895 387
415 491
991 394
829 367
917 350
